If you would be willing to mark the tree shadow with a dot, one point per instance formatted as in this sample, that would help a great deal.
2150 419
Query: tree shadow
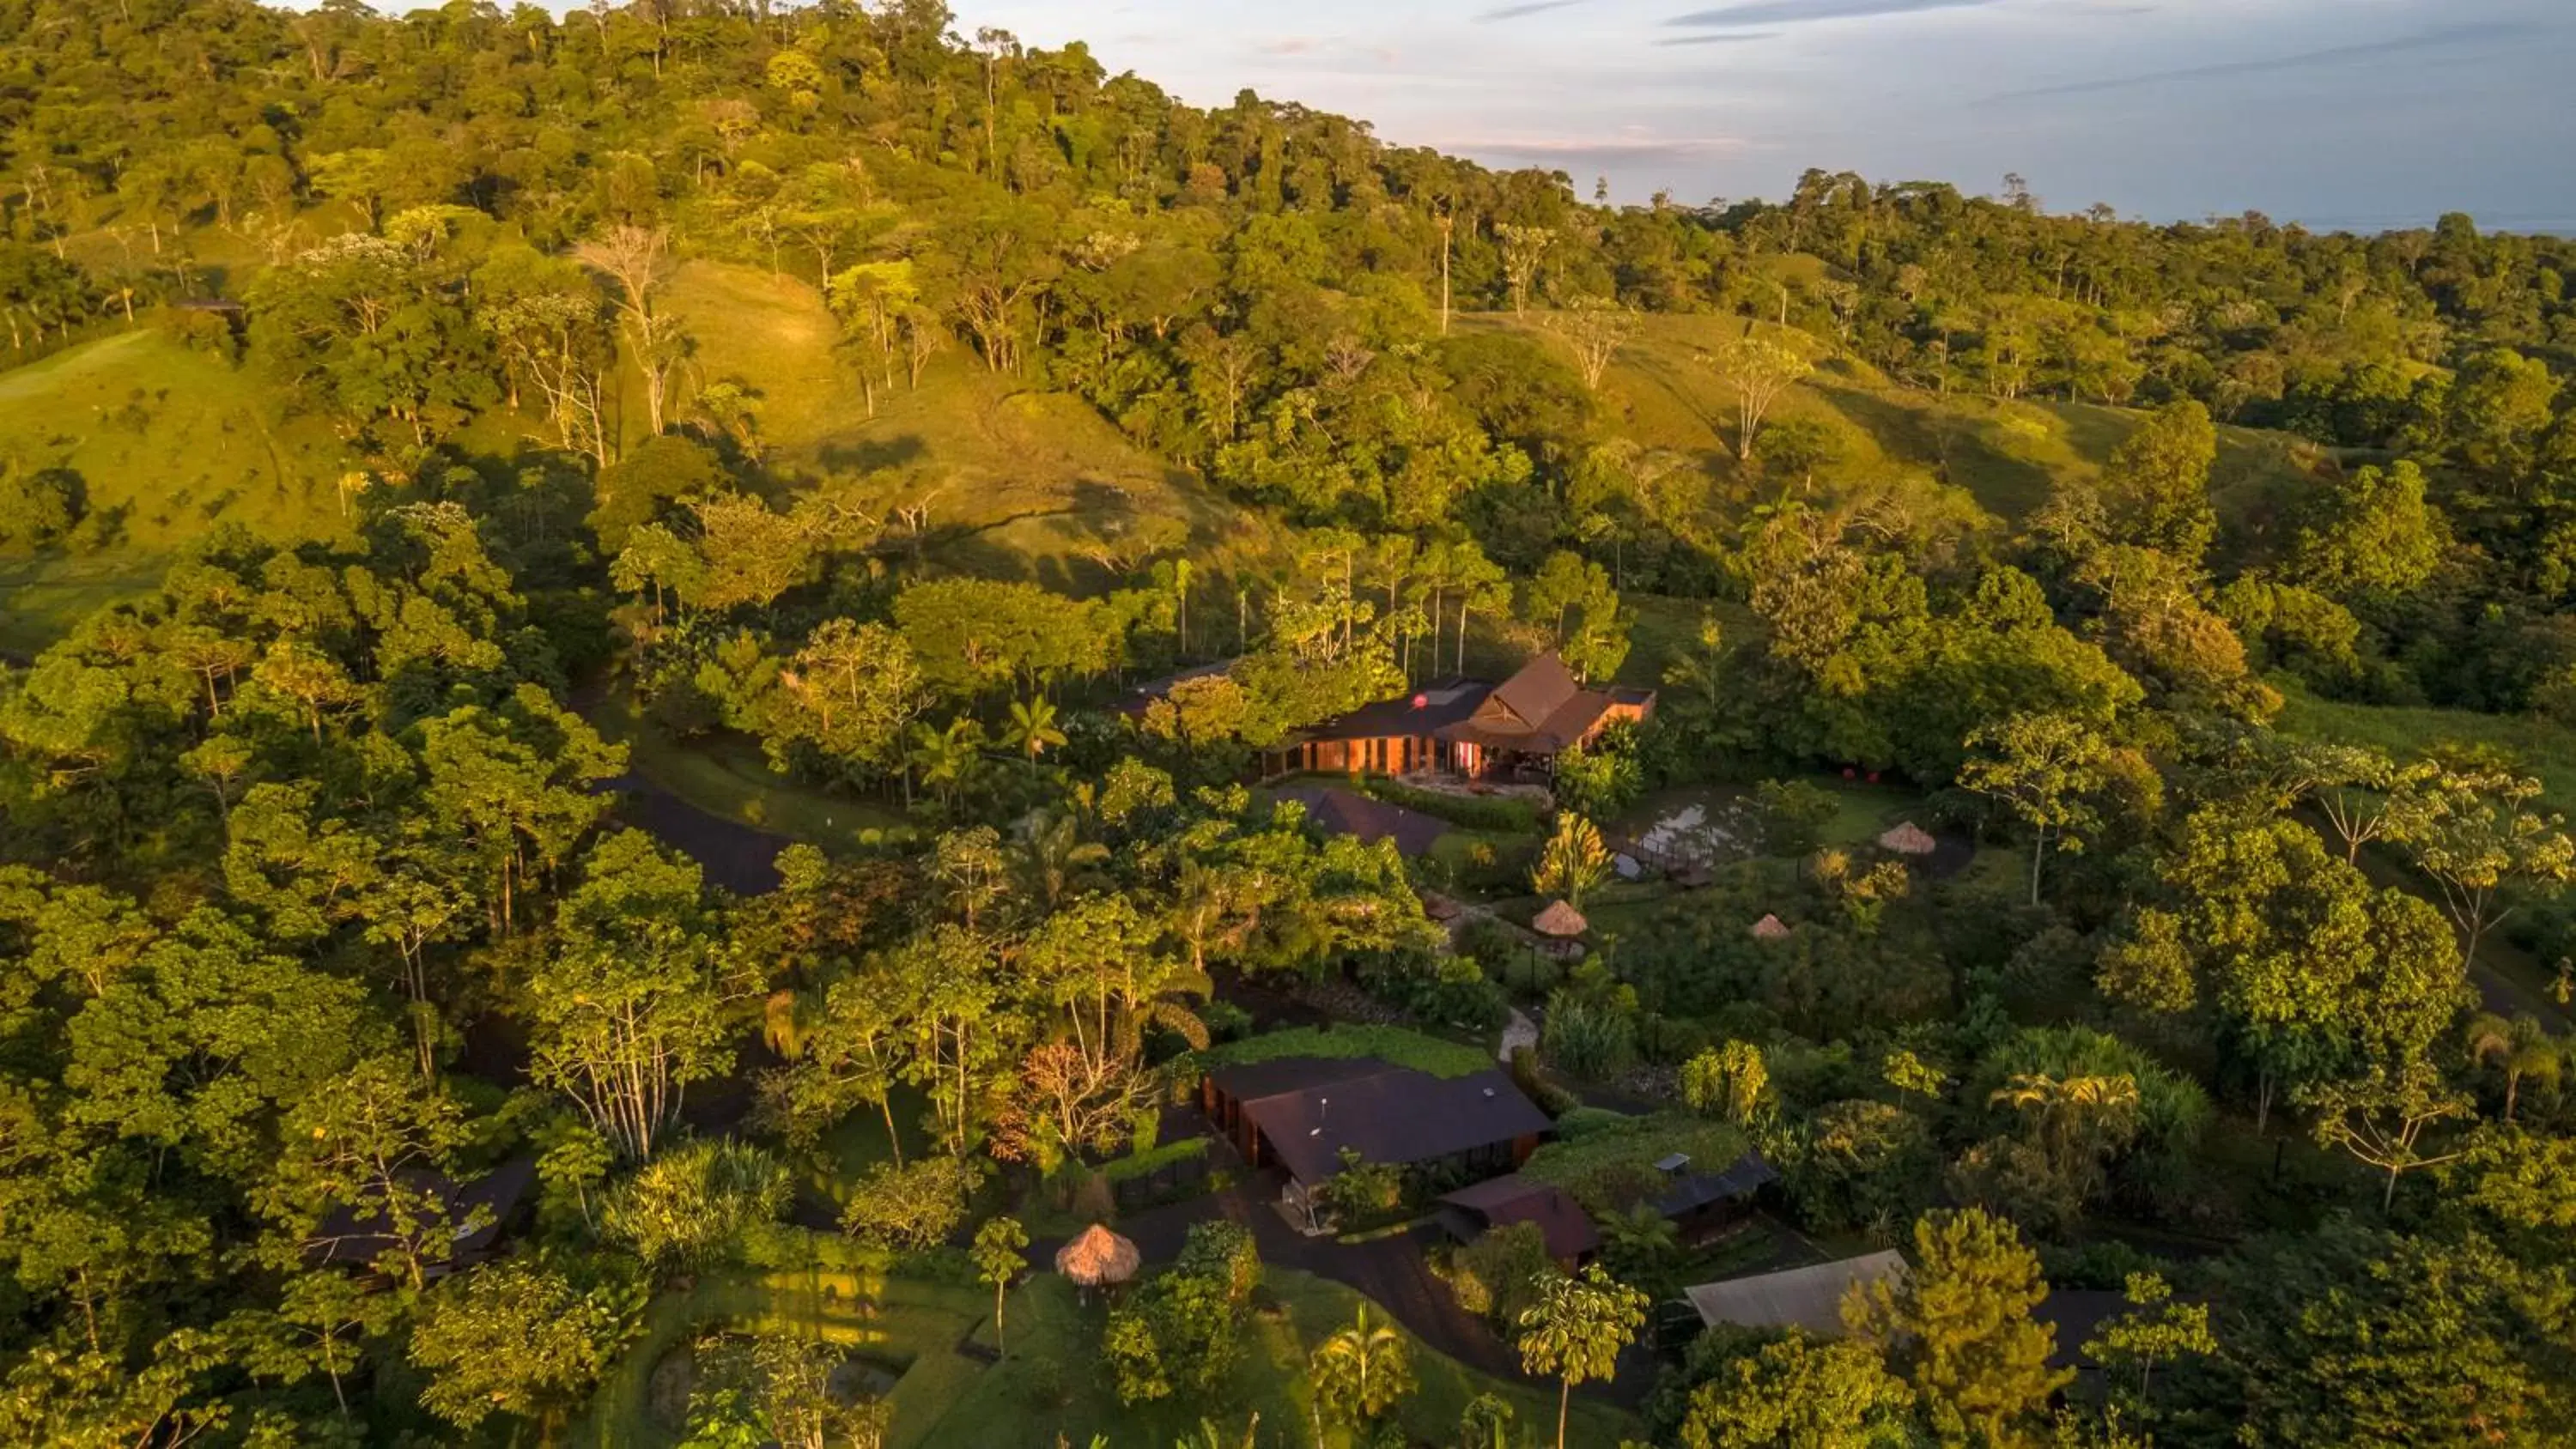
874 455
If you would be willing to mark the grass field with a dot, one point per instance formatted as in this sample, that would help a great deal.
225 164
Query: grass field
1016 482
728 776
905 1324
1052 1383
2544 750
1974 459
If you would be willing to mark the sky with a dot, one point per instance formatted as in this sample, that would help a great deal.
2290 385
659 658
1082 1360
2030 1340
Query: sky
2359 114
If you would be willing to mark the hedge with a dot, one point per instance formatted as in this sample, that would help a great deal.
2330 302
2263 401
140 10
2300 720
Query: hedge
1390 1044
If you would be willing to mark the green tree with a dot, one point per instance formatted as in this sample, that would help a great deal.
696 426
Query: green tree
1573 863
2155 1329
1800 1392
1360 1372
1762 367
2472 833
1000 1256
2382 1117
1575 1331
1960 1322
2155 492
522 1338
626 1011
2042 768
1730 1081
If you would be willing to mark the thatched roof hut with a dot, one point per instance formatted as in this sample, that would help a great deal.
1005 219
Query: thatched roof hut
1098 1258
1909 839
1562 921
1770 928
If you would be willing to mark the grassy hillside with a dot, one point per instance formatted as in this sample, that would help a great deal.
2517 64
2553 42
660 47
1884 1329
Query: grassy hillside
1017 482
2541 748
168 442
1944 453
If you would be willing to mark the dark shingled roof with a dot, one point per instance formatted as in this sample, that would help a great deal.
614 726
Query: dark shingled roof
1517 1199
1386 1114
1442 705
345 1237
1143 696
1347 812
1690 1192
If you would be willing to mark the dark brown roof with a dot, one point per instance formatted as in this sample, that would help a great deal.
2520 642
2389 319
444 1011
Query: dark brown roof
1389 1114
1691 1191
1517 1199
352 1235
1347 812
1143 696
1419 715
1532 696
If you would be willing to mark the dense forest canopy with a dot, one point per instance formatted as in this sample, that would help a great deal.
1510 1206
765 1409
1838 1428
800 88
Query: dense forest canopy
339 882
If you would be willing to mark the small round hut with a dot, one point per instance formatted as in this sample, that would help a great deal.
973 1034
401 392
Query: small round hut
1098 1259
1770 928
1562 921
1909 839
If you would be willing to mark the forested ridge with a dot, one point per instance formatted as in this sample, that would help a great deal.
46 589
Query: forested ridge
2192 599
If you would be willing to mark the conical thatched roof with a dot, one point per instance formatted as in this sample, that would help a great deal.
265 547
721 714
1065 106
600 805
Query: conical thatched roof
1770 928
1560 920
1909 839
1099 1256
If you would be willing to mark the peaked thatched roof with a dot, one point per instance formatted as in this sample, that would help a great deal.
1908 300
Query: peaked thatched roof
1909 839
1099 1256
1560 920
1770 928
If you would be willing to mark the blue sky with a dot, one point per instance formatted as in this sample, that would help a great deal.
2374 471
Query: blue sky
2363 113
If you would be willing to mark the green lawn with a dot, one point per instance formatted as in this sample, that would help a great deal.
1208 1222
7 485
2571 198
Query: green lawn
1052 1383
727 775
909 1325
1439 1057
41 598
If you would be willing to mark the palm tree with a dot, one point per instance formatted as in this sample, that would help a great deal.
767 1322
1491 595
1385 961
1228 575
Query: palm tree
1361 1371
2071 1111
2522 1047
1033 730
1575 1330
946 759
1055 860
1574 861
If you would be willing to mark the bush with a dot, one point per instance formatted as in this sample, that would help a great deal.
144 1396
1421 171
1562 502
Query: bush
1223 1252
1591 1038
39 507
1856 1163
1499 815
1492 1276
695 1205
1450 991
915 1206
1603 780
1585 1122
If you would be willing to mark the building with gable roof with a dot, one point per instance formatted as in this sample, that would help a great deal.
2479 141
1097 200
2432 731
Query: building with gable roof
1508 731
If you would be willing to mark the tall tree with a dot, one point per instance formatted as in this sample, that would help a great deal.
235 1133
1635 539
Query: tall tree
1575 1329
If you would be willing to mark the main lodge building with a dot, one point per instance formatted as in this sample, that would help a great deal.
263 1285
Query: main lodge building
1508 731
